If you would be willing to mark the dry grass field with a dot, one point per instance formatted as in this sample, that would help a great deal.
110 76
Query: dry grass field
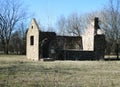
17 71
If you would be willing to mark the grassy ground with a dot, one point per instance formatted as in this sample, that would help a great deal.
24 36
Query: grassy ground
17 71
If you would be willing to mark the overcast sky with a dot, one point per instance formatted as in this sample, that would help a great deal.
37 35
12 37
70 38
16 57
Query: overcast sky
48 11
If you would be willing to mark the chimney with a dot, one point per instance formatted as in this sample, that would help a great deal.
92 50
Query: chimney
96 24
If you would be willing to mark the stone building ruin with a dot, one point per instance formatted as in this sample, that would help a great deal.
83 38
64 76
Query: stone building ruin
42 45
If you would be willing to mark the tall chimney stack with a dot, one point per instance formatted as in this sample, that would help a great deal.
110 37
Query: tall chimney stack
96 24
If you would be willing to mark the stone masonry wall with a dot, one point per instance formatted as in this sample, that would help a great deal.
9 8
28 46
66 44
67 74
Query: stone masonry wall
99 46
33 50
76 55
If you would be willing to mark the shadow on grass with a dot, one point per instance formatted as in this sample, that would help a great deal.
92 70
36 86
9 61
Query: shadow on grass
112 59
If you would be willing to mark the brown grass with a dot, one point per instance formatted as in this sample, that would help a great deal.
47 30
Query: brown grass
17 71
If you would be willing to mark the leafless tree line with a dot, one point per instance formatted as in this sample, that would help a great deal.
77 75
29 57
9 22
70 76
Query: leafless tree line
12 29
11 15
109 22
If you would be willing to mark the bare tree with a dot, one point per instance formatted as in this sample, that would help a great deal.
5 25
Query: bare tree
12 12
110 18
18 40
22 31
61 25
110 24
73 25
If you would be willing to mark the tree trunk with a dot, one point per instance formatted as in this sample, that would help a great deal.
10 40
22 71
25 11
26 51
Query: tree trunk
6 49
6 46
117 50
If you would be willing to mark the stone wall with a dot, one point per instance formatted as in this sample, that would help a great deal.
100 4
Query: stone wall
88 38
99 46
43 44
76 55
32 46
96 54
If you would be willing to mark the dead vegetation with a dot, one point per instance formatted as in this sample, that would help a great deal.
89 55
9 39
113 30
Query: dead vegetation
17 71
